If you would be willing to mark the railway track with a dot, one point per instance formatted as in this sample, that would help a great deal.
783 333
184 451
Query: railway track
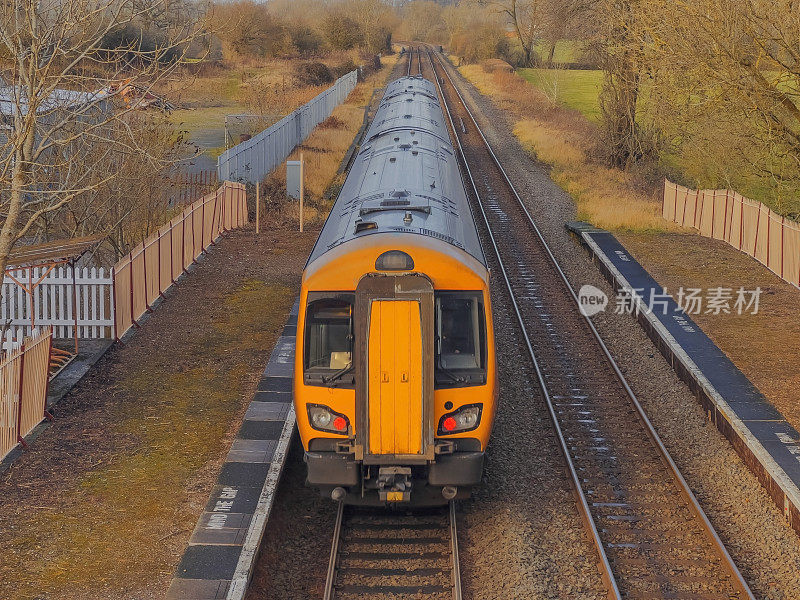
393 554
652 538
410 64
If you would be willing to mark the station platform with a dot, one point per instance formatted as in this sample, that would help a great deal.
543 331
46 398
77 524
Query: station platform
759 433
221 555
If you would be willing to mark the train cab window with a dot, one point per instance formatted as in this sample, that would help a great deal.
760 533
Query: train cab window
328 352
460 339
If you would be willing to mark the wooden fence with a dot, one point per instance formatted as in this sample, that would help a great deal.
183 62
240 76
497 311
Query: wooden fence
750 226
60 297
188 187
149 269
24 375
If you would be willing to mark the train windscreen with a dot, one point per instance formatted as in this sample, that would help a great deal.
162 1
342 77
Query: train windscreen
460 339
329 339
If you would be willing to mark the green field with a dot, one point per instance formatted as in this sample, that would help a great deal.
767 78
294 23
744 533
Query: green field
579 90
567 51
574 89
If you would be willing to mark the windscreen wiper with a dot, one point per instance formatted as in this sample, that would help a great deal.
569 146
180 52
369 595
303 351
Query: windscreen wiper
450 374
338 375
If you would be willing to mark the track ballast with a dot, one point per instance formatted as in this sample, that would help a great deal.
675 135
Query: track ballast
381 553
652 538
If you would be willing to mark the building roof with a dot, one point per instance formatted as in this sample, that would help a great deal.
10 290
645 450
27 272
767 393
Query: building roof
9 104
57 251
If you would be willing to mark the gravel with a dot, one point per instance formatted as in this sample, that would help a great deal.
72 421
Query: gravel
766 550
521 534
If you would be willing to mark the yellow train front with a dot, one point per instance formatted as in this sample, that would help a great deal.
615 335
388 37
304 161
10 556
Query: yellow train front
395 381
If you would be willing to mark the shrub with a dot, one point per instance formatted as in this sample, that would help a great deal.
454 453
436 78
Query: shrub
313 73
480 42
250 29
379 40
344 68
305 39
136 40
342 32
371 64
493 65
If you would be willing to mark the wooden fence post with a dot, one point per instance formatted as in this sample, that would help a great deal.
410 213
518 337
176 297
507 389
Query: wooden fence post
114 303
758 225
75 306
741 222
21 393
302 190
47 414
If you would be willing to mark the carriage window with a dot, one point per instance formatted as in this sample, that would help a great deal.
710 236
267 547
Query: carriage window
460 339
329 339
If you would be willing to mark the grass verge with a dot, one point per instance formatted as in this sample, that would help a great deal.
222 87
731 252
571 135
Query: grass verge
564 139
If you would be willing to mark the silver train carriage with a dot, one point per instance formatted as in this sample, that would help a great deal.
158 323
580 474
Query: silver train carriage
395 382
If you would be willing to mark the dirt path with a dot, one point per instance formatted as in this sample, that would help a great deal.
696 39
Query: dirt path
104 502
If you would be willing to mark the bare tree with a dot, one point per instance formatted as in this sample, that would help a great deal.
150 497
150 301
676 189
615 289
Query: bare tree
743 54
63 108
422 20
528 19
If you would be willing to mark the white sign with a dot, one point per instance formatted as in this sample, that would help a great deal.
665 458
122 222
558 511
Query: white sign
293 179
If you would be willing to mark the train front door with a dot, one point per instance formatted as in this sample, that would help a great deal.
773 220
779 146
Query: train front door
394 369
394 365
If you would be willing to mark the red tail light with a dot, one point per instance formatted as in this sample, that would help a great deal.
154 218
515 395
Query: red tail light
465 418
323 418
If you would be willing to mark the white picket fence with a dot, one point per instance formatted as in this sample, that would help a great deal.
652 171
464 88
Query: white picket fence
55 302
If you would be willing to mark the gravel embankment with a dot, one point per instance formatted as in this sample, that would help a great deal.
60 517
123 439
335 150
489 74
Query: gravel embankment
765 548
521 535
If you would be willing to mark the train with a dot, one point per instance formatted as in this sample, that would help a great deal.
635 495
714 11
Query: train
395 380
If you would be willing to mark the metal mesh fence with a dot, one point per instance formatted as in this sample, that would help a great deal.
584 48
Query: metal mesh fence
254 159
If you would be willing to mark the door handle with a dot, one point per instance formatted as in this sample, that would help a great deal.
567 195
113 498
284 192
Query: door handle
384 377
404 377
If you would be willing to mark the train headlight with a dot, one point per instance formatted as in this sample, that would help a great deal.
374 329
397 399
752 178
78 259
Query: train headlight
465 418
323 418
394 260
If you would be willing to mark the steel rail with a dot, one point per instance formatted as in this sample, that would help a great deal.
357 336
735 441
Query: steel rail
583 504
683 486
410 61
454 551
335 568
337 535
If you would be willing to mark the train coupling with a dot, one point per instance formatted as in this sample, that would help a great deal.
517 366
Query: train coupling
394 484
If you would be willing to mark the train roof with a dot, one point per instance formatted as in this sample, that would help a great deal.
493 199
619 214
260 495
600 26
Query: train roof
405 178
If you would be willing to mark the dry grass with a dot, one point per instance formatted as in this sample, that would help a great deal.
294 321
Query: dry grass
605 197
323 152
96 538
565 140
